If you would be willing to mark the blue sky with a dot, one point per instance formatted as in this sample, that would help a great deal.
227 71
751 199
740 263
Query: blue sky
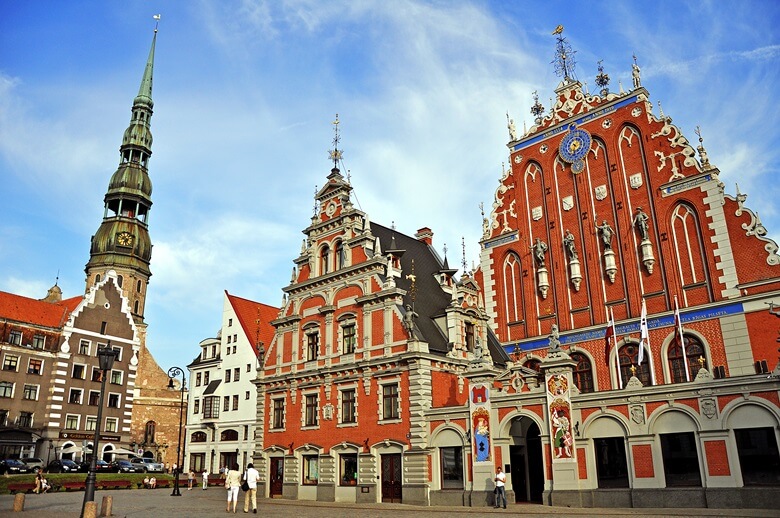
245 93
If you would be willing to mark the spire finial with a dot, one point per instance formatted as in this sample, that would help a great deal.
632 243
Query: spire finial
705 161
564 56
463 247
145 91
315 202
537 110
157 22
336 154
602 79
661 110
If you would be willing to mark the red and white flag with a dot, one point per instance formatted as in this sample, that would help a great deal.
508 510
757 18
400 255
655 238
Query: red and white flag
608 336
678 329
644 334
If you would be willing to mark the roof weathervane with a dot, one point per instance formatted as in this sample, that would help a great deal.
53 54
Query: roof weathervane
316 190
157 21
703 158
335 154
602 79
564 56
463 247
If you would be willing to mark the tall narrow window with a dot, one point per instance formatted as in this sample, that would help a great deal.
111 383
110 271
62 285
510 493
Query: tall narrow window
278 419
348 469
324 260
311 472
341 256
469 336
348 338
628 356
149 431
348 406
312 346
512 292
390 401
311 410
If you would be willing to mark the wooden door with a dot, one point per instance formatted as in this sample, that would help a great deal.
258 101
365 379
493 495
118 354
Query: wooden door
277 477
391 478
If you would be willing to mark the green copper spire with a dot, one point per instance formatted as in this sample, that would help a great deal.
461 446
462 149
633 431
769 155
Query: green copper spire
122 241
145 91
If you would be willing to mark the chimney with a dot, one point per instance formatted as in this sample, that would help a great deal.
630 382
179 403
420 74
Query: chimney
425 235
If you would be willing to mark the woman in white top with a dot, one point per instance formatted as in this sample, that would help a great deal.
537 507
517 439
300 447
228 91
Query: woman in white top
232 484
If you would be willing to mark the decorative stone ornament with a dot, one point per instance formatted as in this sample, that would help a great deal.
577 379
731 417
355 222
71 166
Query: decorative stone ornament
610 266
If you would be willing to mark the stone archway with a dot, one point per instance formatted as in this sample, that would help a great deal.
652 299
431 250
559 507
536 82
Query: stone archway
526 460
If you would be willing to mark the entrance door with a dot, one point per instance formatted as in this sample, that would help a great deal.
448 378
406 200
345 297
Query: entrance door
391 478
525 456
277 477
535 464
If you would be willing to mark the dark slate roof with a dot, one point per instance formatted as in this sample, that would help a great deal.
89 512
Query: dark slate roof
497 352
212 387
431 300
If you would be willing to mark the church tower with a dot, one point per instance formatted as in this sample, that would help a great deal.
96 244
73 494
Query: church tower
122 242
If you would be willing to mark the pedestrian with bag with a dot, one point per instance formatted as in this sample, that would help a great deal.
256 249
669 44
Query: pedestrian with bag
251 476
232 484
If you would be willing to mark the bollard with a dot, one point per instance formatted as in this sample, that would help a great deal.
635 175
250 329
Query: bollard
19 503
90 510
106 506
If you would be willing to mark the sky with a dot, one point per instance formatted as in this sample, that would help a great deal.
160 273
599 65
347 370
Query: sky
245 94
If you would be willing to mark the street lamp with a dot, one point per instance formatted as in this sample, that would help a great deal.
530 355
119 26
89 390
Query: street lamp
173 372
106 356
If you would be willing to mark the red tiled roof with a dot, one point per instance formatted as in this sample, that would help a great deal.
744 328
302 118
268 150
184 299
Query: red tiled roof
32 311
253 315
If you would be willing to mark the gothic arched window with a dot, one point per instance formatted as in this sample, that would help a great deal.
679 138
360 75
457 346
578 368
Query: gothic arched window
694 353
583 372
628 356
341 256
149 432
513 302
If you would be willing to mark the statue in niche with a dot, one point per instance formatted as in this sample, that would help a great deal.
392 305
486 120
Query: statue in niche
539 249
641 223
568 243
607 233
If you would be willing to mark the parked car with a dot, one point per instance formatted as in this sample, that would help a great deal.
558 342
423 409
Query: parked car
145 464
13 467
34 463
122 466
100 465
63 466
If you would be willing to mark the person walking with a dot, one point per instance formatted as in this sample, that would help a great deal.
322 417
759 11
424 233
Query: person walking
190 480
500 481
251 476
232 484
205 479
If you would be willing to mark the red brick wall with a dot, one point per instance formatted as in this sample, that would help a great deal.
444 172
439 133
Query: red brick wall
717 458
582 464
643 461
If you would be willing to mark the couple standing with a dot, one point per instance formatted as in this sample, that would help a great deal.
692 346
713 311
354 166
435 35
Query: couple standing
233 480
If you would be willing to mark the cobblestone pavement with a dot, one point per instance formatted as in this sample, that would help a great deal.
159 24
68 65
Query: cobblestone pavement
158 503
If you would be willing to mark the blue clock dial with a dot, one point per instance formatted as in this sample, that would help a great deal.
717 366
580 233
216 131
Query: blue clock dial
575 144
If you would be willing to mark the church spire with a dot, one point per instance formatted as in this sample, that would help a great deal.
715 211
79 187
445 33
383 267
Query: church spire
122 241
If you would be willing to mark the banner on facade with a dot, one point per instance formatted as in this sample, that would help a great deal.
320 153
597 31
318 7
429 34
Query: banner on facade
479 404
559 407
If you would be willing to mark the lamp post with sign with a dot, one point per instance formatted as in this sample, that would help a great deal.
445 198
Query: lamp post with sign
106 356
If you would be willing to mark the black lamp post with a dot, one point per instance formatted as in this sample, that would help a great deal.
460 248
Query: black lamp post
106 356
174 372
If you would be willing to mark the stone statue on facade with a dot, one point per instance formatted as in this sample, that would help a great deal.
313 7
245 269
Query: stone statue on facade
554 339
539 249
641 223
409 317
606 234
568 243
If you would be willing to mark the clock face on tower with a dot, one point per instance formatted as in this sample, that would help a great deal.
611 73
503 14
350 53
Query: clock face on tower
124 239
575 145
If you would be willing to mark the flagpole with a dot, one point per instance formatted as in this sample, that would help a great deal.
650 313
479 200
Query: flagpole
617 353
679 331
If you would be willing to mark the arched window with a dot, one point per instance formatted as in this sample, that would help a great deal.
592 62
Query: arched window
583 372
628 356
694 352
324 256
198 437
341 256
137 305
97 278
513 301
533 364
149 432
138 286
689 251
228 435
120 280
